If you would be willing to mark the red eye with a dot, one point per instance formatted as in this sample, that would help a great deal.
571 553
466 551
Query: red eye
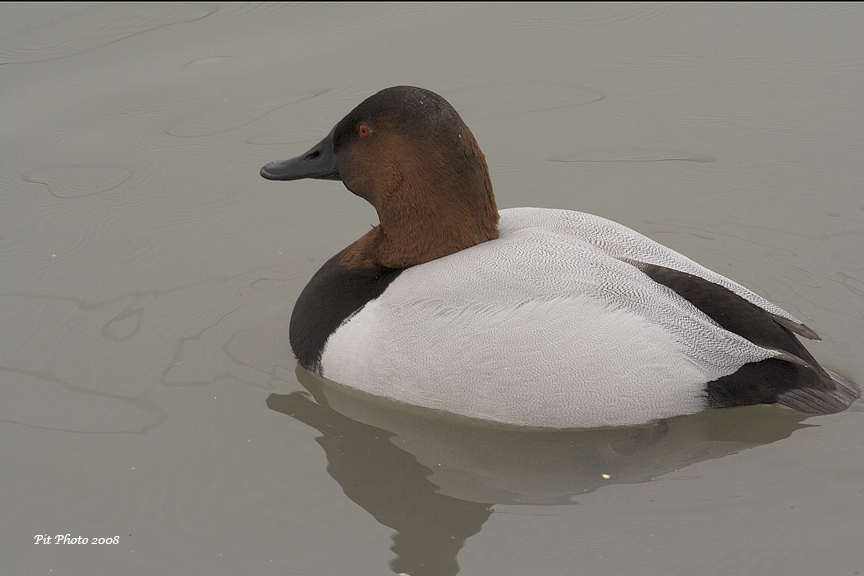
365 131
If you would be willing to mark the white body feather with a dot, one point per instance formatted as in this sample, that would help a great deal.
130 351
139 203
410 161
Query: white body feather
549 325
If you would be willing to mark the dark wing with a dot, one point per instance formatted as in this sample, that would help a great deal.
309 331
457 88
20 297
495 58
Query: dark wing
793 377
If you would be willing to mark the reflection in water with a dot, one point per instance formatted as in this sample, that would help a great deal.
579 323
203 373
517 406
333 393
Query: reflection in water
392 486
434 477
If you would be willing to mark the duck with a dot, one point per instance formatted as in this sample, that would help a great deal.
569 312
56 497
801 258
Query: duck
531 317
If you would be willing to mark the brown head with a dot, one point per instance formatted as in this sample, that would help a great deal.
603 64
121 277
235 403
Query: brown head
408 153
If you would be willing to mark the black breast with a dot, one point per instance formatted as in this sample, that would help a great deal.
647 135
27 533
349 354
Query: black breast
333 294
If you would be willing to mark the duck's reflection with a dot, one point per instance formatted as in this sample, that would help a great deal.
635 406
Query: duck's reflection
434 477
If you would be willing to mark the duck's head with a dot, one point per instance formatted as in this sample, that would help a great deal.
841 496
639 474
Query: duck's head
408 153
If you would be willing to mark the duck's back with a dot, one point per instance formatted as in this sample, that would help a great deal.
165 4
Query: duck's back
552 324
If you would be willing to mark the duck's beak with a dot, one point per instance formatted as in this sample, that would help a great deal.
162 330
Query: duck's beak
318 162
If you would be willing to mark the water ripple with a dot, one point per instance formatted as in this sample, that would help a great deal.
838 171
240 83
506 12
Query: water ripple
635 155
78 180
93 26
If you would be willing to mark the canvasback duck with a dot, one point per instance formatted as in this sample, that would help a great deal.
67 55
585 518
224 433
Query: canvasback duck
527 316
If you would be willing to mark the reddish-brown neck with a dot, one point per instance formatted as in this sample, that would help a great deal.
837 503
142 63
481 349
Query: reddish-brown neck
433 206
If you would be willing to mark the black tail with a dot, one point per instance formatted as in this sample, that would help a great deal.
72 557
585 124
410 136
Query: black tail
792 378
